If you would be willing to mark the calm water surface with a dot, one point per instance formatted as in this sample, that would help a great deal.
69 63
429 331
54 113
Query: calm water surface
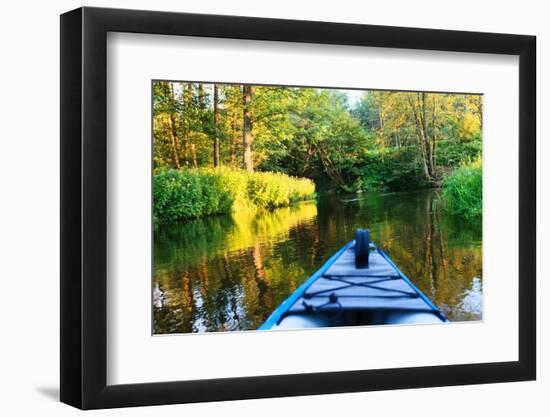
227 273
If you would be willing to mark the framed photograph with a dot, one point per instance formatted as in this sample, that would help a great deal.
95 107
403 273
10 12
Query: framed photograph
257 208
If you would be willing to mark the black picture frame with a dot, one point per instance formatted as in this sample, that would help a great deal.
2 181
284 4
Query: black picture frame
84 207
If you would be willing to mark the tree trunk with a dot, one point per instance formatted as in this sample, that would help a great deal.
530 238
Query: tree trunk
194 155
434 139
216 129
248 133
420 132
235 139
174 142
187 103
202 100
426 136
478 104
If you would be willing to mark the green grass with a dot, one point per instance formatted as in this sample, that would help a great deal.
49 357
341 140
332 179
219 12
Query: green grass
462 191
191 193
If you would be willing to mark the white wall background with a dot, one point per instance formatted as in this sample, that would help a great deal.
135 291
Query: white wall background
29 225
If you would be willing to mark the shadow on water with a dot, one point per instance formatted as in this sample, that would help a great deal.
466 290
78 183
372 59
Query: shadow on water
227 273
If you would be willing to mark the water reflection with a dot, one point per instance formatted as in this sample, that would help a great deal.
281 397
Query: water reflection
228 273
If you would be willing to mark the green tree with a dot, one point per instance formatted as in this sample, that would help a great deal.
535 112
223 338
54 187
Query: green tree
248 129
386 140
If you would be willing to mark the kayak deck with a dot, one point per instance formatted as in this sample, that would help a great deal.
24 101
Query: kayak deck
341 294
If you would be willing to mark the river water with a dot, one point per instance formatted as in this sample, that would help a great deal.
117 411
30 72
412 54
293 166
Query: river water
228 273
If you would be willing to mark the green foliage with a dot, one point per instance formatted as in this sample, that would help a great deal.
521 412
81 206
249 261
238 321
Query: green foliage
188 194
452 153
392 169
192 193
444 130
268 190
462 191
315 136
384 141
300 189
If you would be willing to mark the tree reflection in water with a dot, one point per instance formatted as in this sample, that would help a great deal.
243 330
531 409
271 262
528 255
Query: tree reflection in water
227 273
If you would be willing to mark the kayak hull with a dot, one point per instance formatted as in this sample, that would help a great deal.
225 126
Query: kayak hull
311 321
342 294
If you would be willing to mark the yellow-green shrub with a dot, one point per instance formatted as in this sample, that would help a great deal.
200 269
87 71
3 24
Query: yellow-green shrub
301 189
191 193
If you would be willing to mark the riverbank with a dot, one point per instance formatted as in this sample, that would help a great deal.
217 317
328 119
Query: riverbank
192 193
462 191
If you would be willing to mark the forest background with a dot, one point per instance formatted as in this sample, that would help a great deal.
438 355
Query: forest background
223 147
